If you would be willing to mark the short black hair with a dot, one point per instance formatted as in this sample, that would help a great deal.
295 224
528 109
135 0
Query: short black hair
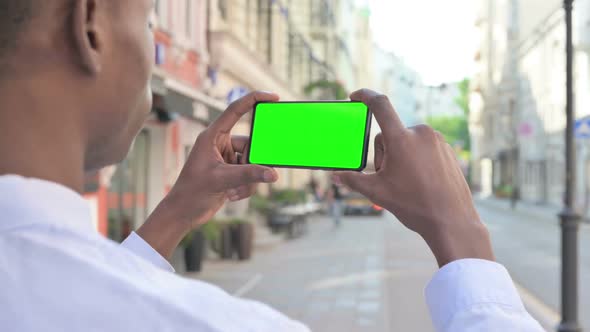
14 16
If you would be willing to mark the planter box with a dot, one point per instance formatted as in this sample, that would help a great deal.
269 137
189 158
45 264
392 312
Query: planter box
243 240
194 252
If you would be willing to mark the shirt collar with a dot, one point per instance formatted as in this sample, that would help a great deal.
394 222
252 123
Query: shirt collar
26 201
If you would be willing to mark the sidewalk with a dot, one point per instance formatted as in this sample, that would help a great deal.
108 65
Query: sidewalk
263 240
547 213
368 275
527 241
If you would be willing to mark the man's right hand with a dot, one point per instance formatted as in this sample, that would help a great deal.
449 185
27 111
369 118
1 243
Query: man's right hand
212 175
419 180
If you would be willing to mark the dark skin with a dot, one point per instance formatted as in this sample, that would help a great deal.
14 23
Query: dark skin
80 85
419 180
76 90
211 176
81 100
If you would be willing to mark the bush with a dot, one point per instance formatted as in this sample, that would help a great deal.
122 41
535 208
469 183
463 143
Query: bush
211 231
237 221
504 191
186 241
260 204
228 238
288 197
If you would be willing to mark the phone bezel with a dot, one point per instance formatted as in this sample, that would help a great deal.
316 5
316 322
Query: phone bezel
365 145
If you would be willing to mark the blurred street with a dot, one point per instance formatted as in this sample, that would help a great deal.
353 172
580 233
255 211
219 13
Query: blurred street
367 275
221 137
528 244
490 76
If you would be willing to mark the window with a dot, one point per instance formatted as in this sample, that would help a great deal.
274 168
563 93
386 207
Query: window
188 21
161 9
222 8
320 13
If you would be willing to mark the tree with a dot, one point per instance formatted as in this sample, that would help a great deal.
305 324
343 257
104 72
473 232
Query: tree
455 128
462 99
327 89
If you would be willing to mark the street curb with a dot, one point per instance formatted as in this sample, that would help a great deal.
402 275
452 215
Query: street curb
545 315
546 216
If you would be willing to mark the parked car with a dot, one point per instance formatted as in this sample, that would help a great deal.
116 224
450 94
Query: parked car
357 204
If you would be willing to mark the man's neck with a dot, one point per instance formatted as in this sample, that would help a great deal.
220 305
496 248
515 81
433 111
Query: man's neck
39 139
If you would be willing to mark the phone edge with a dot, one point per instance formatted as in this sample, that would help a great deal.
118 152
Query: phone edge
364 160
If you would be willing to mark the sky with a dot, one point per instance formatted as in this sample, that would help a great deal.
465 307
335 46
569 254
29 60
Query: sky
437 38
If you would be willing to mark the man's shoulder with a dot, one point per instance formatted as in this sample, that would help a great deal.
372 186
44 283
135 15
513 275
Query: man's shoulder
86 280
74 277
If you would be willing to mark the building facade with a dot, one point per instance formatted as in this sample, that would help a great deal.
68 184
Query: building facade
122 196
400 83
298 49
518 99
439 100
210 53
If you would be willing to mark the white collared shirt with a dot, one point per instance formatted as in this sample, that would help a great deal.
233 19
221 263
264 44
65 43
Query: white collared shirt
58 274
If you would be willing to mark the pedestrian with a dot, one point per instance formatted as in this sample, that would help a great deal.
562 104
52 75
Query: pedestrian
335 198
314 187
75 91
514 197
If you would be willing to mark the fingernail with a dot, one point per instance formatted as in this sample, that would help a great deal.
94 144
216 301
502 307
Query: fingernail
269 176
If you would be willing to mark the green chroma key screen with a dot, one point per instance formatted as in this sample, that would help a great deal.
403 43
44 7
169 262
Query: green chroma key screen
329 135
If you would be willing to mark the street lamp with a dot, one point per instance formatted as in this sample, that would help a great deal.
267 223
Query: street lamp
570 220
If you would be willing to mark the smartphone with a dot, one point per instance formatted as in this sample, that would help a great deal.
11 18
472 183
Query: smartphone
328 135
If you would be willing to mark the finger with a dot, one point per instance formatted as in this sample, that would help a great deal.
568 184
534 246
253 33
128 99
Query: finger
452 154
379 105
450 150
234 176
240 143
360 182
241 193
440 136
237 109
379 151
245 155
452 158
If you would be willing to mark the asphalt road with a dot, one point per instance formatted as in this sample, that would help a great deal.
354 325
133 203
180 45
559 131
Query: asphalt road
530 248
367 275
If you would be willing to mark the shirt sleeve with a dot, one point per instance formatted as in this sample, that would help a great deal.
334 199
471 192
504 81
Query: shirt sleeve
139 247
476 295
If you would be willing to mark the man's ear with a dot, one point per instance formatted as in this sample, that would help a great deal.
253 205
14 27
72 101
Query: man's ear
88 34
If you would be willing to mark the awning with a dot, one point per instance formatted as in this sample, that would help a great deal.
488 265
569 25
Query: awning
177 98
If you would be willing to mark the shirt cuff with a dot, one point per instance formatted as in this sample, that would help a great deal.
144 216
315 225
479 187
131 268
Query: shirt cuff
139 247
460 285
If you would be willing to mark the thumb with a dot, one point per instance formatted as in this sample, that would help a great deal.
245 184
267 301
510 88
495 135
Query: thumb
360 182
234 176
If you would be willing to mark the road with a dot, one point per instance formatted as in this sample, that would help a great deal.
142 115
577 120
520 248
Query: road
530 249
368 275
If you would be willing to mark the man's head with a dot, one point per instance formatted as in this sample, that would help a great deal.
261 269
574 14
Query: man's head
83 63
